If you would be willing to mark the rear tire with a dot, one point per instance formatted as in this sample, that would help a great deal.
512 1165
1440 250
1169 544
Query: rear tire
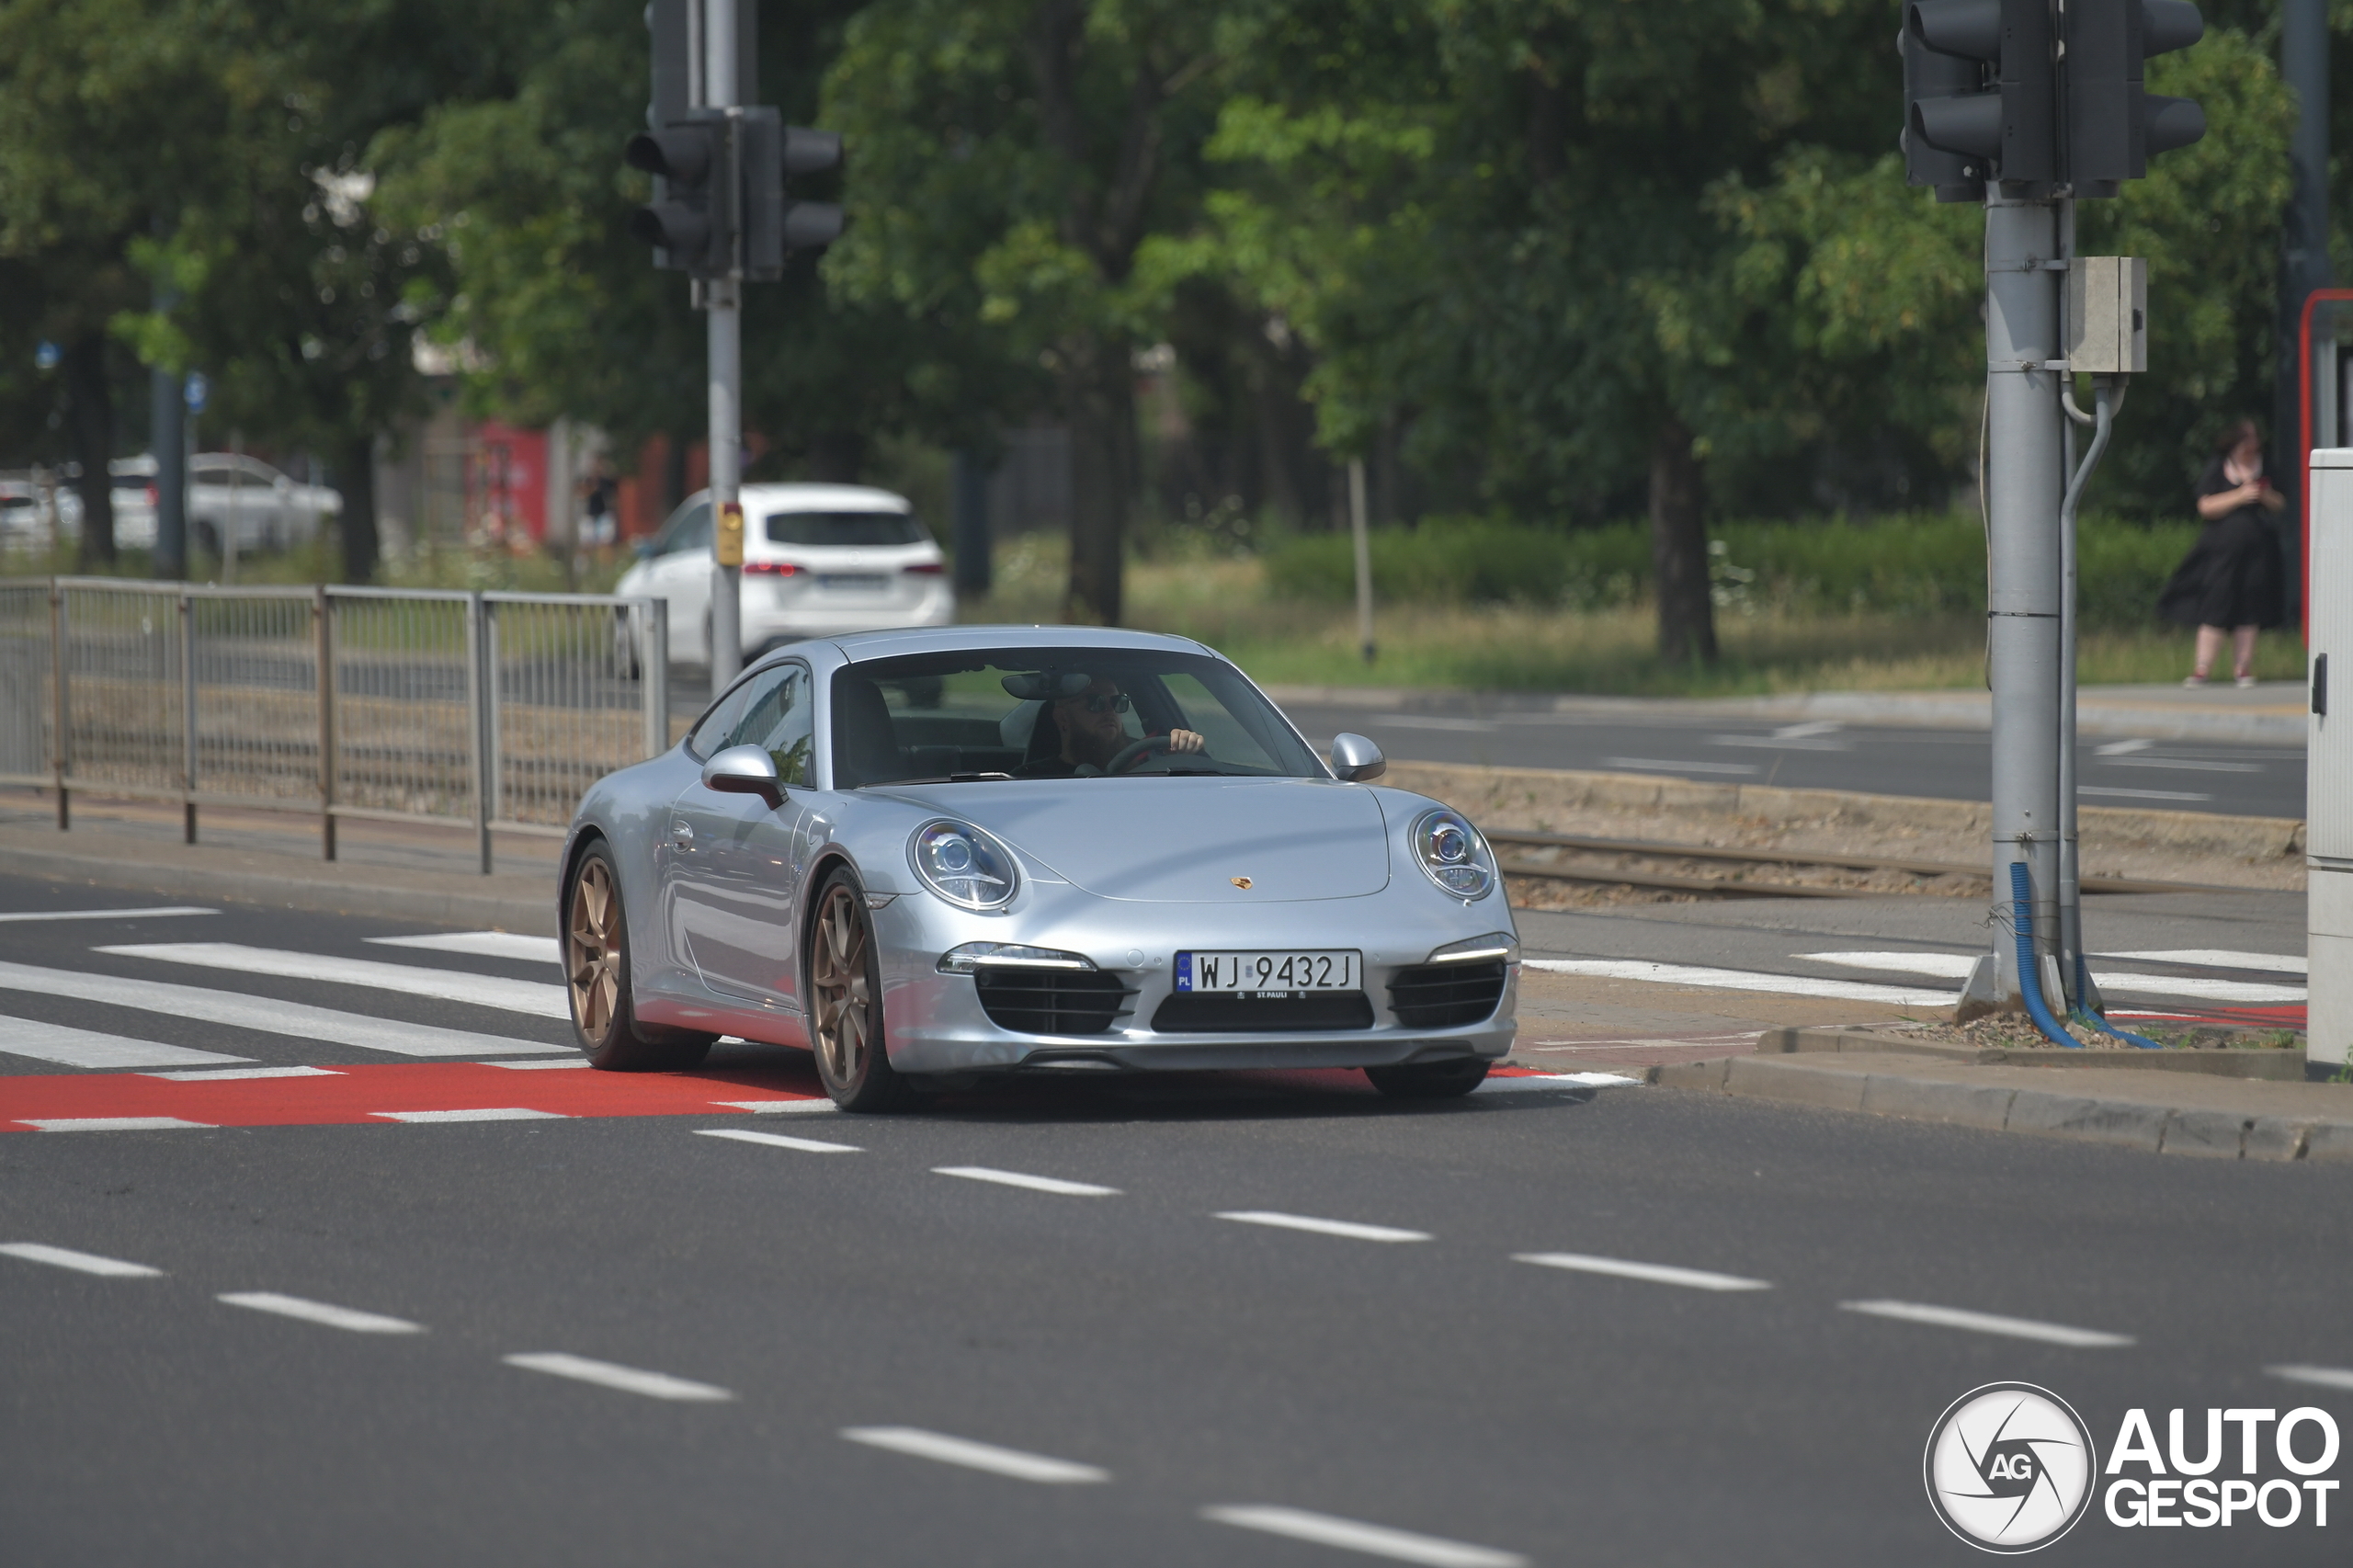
1430 1080
844 990
595 973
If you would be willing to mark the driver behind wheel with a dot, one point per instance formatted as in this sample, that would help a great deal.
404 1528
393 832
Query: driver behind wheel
1092 733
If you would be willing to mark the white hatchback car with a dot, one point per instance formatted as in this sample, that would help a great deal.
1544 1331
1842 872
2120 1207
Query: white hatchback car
818 560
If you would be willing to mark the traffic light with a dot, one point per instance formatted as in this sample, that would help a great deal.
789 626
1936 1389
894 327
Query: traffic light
691 223
773 223
1927 74
2005 127
2112 124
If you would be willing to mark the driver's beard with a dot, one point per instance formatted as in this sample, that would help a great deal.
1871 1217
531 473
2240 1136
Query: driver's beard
1084 746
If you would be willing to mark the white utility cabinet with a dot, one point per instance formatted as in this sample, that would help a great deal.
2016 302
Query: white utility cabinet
2328 759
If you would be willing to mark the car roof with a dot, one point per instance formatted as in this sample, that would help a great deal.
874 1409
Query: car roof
861 645
816 498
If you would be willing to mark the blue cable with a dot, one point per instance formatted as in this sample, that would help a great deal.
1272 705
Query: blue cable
2029 970
2090 1019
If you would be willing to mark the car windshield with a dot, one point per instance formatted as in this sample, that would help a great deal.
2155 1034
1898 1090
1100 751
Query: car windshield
845 528
1055 713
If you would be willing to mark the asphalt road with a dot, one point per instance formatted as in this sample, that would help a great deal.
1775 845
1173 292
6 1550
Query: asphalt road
2237 780
826 1324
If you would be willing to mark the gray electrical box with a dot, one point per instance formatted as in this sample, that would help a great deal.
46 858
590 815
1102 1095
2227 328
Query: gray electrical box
2108 314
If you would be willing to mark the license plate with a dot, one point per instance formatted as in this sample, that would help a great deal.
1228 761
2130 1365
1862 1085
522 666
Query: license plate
1282 974
856 581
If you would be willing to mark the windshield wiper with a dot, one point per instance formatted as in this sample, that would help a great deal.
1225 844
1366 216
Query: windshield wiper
942 779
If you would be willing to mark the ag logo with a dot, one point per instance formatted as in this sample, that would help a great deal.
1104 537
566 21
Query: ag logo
2010 1467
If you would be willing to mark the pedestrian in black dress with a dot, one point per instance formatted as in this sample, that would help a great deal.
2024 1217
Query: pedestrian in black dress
2230 584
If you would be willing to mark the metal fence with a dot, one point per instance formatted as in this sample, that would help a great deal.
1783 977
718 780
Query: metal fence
491 711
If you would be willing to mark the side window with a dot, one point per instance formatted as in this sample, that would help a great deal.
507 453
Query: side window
689 529
711 735
779 719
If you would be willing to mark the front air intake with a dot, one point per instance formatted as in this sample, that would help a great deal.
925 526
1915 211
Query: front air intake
1050 1000
1446 996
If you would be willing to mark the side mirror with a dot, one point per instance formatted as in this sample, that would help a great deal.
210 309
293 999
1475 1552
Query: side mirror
744 770
1357 760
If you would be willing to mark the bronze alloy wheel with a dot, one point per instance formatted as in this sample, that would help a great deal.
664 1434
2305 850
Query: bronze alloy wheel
593 950
845 1004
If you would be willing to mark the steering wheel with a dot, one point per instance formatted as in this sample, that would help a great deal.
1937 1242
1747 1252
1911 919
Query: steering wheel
1135 752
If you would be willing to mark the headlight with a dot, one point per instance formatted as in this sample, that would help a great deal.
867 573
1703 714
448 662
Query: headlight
1453 855
963 865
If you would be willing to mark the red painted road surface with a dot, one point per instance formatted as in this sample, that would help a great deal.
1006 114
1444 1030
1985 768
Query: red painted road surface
378 1094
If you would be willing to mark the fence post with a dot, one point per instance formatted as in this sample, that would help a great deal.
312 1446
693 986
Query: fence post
478 724
60 747
654 666
494 741
187 717
323 614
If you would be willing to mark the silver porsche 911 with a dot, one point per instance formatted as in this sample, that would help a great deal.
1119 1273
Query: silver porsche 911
931 855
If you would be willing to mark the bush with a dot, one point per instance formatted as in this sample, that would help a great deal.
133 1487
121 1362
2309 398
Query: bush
1923 564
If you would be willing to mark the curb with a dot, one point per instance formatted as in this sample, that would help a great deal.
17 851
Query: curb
2150 1126
349 893
2266 1065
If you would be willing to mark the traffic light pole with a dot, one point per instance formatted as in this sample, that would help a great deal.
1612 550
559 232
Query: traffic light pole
2024 480
722 297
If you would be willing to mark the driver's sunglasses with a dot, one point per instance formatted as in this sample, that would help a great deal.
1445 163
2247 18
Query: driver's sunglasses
1096 702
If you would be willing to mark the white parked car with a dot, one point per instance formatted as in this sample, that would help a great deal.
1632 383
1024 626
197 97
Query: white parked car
226 490
818 560
25 516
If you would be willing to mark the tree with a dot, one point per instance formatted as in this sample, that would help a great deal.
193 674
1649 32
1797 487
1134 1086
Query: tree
1009 160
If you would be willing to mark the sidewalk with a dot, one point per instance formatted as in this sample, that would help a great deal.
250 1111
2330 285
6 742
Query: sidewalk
2273 713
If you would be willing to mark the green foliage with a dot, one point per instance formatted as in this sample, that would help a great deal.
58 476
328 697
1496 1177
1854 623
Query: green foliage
1928 564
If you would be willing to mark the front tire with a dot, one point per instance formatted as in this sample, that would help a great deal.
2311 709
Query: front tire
1430 1080
596 971
845 1000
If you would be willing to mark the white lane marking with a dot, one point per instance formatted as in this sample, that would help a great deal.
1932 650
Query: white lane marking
2186 764
1429 721
481 944
2121 748
1655 1273
605 1374
1348 1228
239 1010
938 1445
215 1075
1809 729
1557 1081
1034 1183
1953 966
1654 764
778 1141
350 1318
501 1113
1989 1322
1705 979
2221 957
2319 1377
109 1123
160 912
83 1262
2140 794
1351 1535
779 1107
536 997
83 1047
531 1066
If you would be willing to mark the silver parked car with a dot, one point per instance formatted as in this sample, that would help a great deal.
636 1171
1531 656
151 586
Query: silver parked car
932 854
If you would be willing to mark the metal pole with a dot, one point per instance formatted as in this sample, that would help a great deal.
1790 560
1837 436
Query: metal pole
1361 536
187 716
60 747
724 299
2024 480
476 722
323 611
2303 252
167 410
654 667
2070 928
